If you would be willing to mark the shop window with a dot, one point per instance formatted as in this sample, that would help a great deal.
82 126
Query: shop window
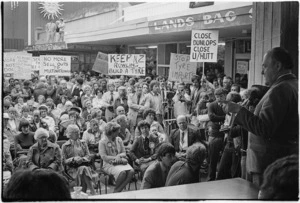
170 48
185 48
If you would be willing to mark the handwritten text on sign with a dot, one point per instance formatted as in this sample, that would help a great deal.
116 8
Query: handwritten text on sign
23 67
55 65
35 64
126 64
9 65
181 69
204 45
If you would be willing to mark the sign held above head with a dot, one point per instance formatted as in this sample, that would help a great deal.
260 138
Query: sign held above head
204 45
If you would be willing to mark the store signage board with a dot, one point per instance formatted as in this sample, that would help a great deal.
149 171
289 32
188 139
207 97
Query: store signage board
181 69
204 45
55 65
210 20
127 64
23 66
8 65
101 63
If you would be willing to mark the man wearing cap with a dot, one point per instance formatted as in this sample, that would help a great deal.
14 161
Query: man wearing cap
49 120
215 139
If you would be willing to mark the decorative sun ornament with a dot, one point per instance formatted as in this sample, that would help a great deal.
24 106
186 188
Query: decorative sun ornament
51 10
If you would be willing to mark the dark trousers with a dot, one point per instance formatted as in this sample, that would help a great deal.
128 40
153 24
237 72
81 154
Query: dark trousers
215 147
230 163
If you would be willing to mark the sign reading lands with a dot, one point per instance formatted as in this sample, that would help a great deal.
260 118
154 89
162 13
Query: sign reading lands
204 45
23 65
181 69
127 64
101 63
8 65
55 65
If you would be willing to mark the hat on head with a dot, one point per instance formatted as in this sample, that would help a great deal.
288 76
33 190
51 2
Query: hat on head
6 116
43 107
76 109
40 132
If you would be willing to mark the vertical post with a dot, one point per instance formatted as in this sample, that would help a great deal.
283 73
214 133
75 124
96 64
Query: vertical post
29 23
203 73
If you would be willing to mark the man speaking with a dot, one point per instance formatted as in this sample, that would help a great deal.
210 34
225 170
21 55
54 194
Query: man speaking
274 126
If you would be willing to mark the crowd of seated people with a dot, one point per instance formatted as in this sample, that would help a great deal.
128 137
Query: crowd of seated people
61 125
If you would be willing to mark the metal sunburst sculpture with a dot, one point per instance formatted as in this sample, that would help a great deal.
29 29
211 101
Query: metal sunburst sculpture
51 10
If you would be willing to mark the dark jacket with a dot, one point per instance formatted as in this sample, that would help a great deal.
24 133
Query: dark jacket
193 137
50 157
274 126
137 149
217 117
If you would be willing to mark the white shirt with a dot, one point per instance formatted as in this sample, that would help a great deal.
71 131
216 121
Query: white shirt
107 97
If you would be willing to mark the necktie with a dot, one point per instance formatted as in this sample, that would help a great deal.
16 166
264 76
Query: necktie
182 138
146 144
163 94
138 98
111 97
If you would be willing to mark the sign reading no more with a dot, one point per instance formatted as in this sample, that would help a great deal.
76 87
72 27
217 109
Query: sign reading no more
55 65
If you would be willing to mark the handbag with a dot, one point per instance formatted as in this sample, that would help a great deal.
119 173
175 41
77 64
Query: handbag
74 164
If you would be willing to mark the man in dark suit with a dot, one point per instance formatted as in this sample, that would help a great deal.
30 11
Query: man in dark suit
274 125
183 137
216 138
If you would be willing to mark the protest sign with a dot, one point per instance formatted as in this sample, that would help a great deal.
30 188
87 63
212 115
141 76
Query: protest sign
23 65
101 63
127 64
204 45
35 63
181 69
8 65
55 65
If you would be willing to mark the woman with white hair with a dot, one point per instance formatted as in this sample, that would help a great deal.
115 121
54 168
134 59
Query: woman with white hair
112 151
44 154
77 159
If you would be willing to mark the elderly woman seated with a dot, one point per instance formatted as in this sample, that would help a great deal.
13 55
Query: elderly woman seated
76 159
142 151
112 152
44 154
